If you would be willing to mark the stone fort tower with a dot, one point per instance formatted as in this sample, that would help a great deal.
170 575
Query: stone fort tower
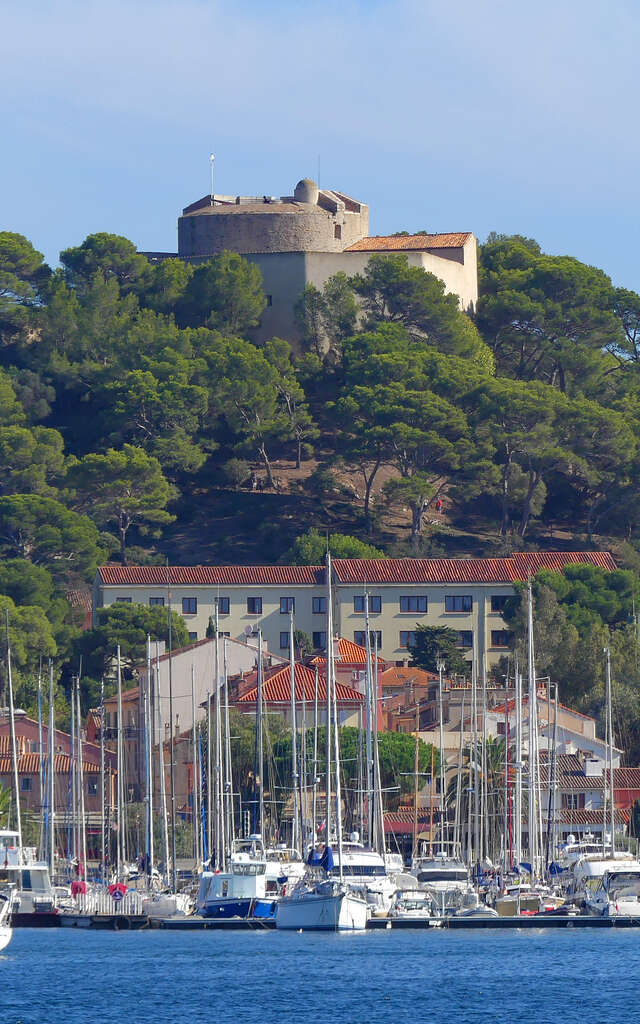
306 238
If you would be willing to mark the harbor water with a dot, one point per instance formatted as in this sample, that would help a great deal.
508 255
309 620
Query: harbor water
71 977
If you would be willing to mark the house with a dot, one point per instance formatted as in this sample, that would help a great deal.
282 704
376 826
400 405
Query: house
466 595
580 783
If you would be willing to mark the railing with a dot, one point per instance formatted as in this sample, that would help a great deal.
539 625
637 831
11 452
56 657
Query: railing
103 903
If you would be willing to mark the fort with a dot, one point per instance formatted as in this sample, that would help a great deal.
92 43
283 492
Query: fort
308 237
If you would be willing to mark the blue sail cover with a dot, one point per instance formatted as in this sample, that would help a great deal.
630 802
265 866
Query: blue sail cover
326 861
313 860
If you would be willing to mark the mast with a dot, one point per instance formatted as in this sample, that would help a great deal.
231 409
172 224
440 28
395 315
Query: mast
41 755
337 760
457 825
52 777
484 809
14 747
534 830
194 768
260 740
518 766
612 809
377 782
148 771
72 799
163 781
416 765
172 782
228 777
83 830
102 784
220 839
294 738
441 725
120 760
329 673
474 733
314 802
369 724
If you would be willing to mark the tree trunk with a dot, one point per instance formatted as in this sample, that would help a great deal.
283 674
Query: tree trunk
534 480
417 512
299 454
123 537
267 465
368 486
506 503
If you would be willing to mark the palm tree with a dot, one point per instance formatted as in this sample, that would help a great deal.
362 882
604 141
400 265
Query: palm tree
5 806
494 789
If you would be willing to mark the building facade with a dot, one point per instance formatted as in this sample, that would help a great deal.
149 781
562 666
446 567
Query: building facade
467 595
306 238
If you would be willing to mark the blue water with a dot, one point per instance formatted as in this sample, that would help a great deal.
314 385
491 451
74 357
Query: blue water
71 977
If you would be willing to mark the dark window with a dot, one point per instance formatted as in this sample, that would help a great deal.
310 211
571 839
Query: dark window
337 231
500 638
375 603
223 605
360 635
498 602
254 605
413 603
407 637
284 641
287 604
92 787
156 602
320 641
193 637
189 605
573 801
26 784
465 638
319 605
458 603
123 600
269 300
223 632
501 729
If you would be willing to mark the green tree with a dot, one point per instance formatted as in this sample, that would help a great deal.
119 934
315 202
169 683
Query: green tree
435 643
127 625
111 255
310 548
44 532
32 460
22 274
292 398
225 294
169 279
124 487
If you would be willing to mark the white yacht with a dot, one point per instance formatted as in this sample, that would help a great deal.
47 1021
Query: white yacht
445 876
618 894
6 930
327 905
366 872
24 877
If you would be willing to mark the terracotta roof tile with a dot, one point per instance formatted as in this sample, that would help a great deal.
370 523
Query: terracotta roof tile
277 688
29 764
566 816
513 568
405 243
211 575
348 653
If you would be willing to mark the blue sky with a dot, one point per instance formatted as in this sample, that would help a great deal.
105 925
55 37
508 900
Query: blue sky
442 116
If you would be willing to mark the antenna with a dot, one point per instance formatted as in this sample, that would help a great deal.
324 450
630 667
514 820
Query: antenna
211 160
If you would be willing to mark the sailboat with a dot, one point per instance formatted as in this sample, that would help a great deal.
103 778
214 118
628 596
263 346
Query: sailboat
6 930
322 901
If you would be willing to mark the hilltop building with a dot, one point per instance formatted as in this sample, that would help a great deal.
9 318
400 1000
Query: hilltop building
308 237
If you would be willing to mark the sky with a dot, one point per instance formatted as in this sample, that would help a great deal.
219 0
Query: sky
466 116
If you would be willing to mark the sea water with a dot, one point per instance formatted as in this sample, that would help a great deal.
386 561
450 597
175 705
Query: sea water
86 977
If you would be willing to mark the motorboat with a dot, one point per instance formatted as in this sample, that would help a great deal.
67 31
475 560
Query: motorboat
25 877
6 929
367 873
412 903
472 906
618 894
241 890
327 905
445 876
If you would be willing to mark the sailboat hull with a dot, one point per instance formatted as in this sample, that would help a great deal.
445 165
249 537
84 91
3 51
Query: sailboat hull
329 911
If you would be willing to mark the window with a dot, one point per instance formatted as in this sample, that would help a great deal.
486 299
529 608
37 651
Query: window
320 641
192 637
407 637
375 603
123 600
284 640
156 602
465 638
360 635
337 231
269 300
498 602
413 603
26 784
573 801
223 605
319 605
92 787
222 632
189 605
458 603
500 638
287 604
254 605
501 729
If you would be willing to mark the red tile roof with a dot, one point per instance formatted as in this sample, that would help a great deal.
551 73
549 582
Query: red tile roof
404 243
513 568
277 688
29 764
210 575
567 816
348 653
